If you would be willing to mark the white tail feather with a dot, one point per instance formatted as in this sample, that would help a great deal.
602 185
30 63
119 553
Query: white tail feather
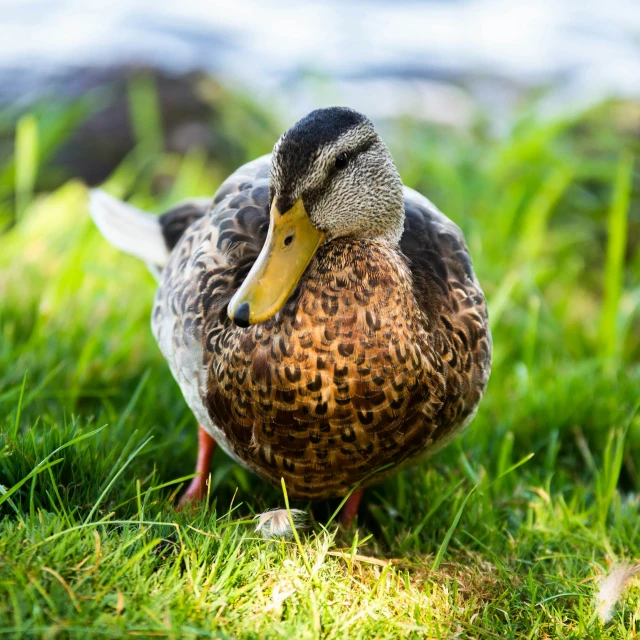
128 228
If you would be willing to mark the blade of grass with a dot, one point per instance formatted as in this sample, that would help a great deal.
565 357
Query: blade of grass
42 465
16 424
145 114
292 524
26 162
445 543
537 214
616 247
334 515
103 495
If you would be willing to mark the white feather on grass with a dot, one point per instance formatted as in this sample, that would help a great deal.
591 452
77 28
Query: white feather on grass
612 586
275 523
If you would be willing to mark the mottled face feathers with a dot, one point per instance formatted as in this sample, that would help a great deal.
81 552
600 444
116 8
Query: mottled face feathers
334 159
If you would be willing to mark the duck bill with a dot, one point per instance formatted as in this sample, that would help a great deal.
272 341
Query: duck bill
291 243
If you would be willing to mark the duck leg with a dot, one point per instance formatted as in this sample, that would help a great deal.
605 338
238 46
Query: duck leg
349 512
198 488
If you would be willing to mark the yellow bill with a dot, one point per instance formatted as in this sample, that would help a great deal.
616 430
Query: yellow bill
291 243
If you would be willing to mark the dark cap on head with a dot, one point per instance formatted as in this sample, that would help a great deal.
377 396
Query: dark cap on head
320 127
301 143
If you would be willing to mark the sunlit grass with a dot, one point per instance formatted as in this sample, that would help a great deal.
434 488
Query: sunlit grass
502 535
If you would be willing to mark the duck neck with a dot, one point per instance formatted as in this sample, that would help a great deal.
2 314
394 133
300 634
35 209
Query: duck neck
364 264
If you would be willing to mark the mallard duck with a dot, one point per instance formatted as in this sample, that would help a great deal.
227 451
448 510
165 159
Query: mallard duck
323 321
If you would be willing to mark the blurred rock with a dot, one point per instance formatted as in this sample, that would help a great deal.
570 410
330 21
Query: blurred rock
194 112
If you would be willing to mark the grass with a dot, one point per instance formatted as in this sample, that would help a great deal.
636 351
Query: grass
503 535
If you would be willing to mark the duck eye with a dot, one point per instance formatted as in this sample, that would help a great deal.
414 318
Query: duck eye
288 240
342 160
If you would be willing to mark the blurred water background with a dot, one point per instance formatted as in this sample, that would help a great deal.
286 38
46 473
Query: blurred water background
433 59
220 66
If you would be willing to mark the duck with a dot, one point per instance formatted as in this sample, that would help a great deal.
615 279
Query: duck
323 321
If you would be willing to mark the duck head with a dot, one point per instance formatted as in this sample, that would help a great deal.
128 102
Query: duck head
332 176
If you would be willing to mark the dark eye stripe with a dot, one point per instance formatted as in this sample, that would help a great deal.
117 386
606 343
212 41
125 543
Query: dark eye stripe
350 156
284 200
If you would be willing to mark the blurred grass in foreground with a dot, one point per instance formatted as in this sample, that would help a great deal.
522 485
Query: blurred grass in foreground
483 541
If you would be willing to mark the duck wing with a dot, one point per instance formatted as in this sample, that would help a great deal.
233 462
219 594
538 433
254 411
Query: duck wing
448 292
212 255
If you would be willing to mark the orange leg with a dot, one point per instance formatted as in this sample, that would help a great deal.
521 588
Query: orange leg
349 512
198 488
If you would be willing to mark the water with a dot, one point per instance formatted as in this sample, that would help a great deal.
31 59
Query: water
434 59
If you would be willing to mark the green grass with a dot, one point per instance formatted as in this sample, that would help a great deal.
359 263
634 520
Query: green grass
503 535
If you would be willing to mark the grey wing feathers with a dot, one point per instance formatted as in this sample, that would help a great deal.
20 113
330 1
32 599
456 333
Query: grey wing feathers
213 252
435 246
252 172
446 286
176 220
